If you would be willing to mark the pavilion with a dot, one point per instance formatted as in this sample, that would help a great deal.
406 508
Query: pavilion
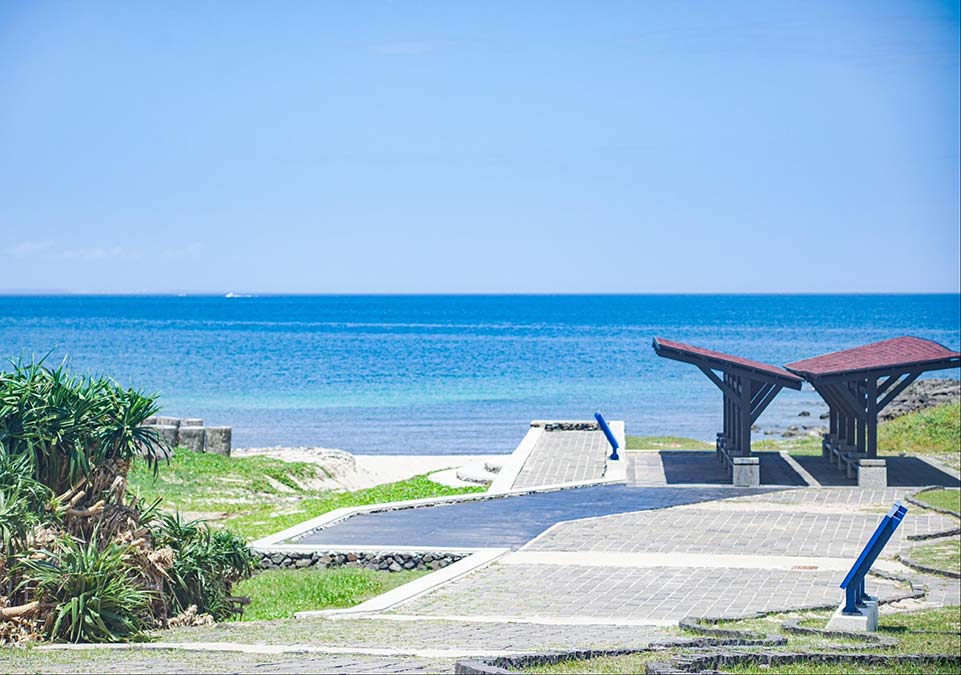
747 388
857 384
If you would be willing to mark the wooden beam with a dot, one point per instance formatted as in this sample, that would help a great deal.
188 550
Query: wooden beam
901 386
717 381
760 407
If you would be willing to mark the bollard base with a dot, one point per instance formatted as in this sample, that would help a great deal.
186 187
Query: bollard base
746 471
865 621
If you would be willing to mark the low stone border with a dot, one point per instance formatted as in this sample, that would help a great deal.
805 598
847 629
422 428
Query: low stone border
879 641
914 498
386 561
511 664
697 624
937 571
712 663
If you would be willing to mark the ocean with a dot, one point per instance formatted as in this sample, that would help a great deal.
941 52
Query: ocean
448 374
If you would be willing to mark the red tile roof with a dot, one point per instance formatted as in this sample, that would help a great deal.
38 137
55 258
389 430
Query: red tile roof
904 352
721 359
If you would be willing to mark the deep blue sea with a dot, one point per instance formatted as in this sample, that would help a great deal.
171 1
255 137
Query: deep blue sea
448 374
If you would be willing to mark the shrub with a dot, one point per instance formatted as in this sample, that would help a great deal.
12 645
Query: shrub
81 559
206 565
93 590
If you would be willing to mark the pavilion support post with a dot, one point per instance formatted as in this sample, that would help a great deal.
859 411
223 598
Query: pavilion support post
872 417
745 445
862 444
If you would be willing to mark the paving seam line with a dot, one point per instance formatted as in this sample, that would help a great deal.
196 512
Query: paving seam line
282 649
534 620
676 560
413 589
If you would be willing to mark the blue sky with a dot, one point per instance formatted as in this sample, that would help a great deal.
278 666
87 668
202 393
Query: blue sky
397 147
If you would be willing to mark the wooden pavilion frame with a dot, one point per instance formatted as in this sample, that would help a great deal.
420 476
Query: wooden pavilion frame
747 388
858 383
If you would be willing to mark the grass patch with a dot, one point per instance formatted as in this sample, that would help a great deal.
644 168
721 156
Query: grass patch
204 482
942 499
279 594
665 443
944 555
810 668
798 445
268 518
935 430
256 496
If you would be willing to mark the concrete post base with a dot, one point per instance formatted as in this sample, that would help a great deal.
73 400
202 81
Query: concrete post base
872 473
746 471
865 621
217 440
191 438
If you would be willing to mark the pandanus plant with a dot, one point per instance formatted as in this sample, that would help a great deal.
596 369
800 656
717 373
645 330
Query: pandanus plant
70 426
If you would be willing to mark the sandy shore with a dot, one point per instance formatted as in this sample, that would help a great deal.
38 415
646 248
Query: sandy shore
356 472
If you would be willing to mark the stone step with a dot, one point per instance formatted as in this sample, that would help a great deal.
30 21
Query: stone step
493 466
476 472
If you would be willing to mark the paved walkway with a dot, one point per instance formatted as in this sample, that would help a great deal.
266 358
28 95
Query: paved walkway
564 457
506 521
761 552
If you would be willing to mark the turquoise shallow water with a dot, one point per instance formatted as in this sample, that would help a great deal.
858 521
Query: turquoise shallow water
447 374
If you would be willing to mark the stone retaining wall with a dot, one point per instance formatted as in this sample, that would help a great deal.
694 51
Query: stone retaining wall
387 561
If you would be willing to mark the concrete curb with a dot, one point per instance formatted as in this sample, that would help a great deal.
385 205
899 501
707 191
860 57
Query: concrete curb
515 462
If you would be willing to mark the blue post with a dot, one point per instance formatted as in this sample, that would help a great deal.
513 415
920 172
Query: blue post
853 584
602 423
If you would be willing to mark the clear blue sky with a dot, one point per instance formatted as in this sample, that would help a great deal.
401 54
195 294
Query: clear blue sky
479 146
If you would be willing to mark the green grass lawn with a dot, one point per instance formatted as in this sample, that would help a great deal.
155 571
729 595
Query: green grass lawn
929 631
935 430
665 443
256 496
944 555
942 499
279 594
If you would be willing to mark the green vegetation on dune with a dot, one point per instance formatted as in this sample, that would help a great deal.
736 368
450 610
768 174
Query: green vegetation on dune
279 594
935 430
928 631
665 443
266 519
257 496
200 482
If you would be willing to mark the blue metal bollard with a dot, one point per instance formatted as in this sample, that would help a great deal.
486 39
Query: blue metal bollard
853 584
602 423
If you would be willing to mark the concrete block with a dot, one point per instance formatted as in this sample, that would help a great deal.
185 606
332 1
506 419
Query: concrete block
872 473
746 471
217 440
191 438
167 434
160 420
191 422
865 621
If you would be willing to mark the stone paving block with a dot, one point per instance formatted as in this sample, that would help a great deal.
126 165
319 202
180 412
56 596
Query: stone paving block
641 594
694 530
563 457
